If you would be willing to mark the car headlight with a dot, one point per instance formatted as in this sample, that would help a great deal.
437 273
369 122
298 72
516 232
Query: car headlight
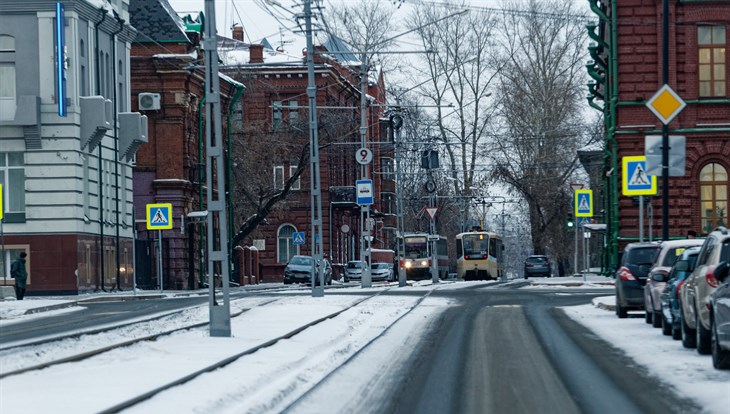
408 265
424 263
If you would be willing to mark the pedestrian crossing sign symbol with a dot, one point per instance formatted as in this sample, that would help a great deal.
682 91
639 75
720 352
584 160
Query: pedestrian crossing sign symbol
635 179
583 203
297 237
159 216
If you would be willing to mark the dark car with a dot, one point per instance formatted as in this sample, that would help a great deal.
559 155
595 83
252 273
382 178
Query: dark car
299 270
671 312
720 318
537 265
636 262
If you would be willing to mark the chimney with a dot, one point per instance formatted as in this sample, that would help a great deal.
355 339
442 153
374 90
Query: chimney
257 53
238 33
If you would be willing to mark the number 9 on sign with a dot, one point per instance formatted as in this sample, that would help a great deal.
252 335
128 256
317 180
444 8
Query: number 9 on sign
363 156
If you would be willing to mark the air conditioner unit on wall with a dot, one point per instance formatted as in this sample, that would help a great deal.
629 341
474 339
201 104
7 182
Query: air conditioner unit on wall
149 101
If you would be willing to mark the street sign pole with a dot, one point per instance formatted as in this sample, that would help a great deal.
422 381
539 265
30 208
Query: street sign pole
576 227
641 218
159 260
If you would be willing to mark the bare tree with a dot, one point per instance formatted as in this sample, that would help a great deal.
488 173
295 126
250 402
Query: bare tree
461 73
540 94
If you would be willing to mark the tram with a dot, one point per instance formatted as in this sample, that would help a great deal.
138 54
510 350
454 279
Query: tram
479 256
418 257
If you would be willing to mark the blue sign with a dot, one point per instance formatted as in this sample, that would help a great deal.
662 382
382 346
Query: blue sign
297 237
635 179
159 216
583 203
583 221
364 192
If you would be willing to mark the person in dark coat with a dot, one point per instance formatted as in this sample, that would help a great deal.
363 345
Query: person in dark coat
18 272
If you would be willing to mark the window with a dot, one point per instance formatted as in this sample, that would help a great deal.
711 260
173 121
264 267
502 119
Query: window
7 256
278 177
286 250
712 69
386 168
713 196
293 112
277 114
296 185
7 78
12 178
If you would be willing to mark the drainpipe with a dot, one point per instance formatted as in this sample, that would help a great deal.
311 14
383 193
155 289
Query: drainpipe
100 278
116 145
200 185
236 96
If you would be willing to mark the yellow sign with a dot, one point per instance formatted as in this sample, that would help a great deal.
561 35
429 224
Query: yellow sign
159 216
583 203
635 179
1 201
665 104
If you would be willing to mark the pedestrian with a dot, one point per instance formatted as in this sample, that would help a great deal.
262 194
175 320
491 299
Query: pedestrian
18 272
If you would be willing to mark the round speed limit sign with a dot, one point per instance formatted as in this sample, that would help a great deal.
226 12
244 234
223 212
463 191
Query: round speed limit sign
363 156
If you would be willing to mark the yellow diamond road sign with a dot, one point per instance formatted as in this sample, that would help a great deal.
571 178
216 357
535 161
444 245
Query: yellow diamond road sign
665 104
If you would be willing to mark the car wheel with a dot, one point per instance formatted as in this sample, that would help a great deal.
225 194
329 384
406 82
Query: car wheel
703 339
620 311
688 335
657 320
720 357
648 316
676 333
666 326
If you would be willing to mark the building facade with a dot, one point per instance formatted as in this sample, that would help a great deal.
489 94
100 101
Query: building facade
168 87
275 111
66 143
627 65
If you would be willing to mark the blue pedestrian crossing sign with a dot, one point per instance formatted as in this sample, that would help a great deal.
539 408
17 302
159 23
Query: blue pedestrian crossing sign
635 180
297 237
159 216
364 189
583 200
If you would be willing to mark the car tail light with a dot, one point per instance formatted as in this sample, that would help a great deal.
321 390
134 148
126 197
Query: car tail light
710 279
430 263
528 264
625 274
466 257
679 285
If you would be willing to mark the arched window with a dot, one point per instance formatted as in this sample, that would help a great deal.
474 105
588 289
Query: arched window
713 196
285 249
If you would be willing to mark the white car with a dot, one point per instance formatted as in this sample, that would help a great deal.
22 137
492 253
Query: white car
381 271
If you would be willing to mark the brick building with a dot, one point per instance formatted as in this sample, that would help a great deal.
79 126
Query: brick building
275 105
167 86
627 71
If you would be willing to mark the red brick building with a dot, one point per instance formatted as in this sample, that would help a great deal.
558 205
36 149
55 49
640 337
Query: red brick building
275 103
627 68
167 86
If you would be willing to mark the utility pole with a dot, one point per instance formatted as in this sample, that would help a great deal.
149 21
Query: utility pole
220 312
364 209
396 123
315 184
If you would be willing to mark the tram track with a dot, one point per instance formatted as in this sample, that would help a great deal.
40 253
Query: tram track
300 390
7 352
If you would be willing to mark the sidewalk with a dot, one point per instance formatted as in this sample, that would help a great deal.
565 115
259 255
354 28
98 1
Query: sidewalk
12 308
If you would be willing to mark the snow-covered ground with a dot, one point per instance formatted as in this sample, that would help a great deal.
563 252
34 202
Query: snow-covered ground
274 377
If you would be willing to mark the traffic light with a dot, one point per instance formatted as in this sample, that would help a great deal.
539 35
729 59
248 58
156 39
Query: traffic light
570 222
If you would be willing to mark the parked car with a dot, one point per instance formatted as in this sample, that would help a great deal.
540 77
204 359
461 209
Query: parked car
353 270
671 312
381 272
667 254
537 265
720 318
636 262
299 270
696 290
